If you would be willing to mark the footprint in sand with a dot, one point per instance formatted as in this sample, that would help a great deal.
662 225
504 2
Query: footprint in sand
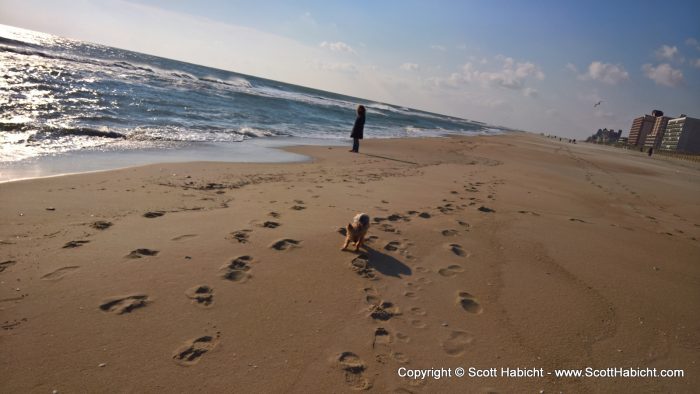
271 224
141 252
424 281
285 244
241 236
122 305
447 208
382 337
371 296
530 213
274 214
354 369
191 352
410 294
424 215
384 311
7 264
413 286
456 343
237 269
74 244
486 209
417 323
201 294
577 220
394 217
400 358
418 311
388 228
60 273
153 214
463 224
101 225
403 337
457 250
298 207
469 303
392 246
451 270
360 265
449 232
421 269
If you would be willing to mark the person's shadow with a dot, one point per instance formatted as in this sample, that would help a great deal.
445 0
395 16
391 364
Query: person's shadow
386 264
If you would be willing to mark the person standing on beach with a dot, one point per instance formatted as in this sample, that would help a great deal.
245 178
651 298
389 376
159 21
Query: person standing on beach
358 128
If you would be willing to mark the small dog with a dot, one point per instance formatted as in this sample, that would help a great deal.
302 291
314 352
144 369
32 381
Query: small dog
356 231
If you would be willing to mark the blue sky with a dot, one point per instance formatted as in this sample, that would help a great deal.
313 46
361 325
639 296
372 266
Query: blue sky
538 65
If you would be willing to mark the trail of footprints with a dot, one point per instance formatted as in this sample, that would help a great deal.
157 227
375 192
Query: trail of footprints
455 342
379 311
237 270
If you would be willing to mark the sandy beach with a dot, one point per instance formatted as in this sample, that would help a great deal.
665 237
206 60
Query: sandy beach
508 251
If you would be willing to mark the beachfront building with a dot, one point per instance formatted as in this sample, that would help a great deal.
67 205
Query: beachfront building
682 134
653 139
641 127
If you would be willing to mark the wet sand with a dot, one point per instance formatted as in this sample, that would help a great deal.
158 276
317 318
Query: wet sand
509 251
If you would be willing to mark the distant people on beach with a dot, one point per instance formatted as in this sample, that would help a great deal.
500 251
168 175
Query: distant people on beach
358 128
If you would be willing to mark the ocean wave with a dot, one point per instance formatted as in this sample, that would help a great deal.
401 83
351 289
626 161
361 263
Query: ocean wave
255 133
271 92
233 81
49 132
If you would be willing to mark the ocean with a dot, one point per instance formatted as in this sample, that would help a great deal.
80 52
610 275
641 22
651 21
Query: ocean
60 96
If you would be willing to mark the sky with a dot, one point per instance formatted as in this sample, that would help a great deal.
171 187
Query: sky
539 66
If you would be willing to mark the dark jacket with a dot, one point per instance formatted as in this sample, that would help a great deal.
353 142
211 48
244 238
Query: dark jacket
359 127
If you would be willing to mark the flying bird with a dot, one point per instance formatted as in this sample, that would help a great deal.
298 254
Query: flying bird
597 104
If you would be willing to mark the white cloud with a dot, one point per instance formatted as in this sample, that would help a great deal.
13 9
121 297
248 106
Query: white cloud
337 67
511 75
571 67
410 66
693 43
438 48
605 72
667 52
695 63
338 46
663 74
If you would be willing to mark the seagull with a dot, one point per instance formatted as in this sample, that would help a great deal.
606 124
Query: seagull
597 104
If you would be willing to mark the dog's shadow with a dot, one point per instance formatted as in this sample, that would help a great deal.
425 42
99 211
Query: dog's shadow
386 264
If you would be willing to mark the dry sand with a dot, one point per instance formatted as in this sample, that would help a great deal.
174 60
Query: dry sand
506 251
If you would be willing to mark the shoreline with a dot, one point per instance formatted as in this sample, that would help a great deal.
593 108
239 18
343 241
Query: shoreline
505 251
259 150
266 150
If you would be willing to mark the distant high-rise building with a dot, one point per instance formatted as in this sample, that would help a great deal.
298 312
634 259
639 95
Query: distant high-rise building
682 134
653 139
641 127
